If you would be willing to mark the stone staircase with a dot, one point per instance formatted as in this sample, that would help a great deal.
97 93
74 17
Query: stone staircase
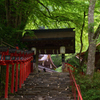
45 86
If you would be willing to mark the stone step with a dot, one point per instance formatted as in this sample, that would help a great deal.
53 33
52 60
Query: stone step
49 74
40 98
46 96
45 86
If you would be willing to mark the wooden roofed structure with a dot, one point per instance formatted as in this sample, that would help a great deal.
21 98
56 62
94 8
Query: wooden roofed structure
49 41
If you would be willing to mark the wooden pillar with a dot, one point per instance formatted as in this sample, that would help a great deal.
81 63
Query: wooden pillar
63 61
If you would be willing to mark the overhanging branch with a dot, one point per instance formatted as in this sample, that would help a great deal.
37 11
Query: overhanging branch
44 6
81 38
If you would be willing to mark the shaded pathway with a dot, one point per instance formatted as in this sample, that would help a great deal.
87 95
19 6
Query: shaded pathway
45 86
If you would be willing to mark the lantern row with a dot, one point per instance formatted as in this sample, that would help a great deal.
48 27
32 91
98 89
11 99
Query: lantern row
13 55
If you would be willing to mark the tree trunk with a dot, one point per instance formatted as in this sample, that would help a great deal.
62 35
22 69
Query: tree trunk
92 42
91 58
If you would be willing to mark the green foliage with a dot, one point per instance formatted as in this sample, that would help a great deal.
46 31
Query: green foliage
56 60
74 61
98 40
59 69
61 14
90 87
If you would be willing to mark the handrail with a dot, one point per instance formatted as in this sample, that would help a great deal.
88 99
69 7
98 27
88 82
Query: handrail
75 86
51 61
70 66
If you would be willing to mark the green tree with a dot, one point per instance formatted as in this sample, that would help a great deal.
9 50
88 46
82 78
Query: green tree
92 37
13 18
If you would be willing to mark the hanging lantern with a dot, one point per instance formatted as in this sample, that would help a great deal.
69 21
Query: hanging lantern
0 56
7 57
34 49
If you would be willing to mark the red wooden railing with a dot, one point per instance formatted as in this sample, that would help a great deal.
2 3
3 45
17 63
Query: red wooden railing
73 68
75 87
19 58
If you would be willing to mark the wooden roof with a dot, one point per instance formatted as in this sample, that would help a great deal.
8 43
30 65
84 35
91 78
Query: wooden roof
49 40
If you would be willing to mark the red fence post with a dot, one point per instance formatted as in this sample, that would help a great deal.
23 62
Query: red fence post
20 78
26 69
74 93
75 87
12 80
16 84
25 72
29 67
22 73
7 80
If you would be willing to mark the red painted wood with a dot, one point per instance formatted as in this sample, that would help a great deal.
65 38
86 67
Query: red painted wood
7 80
16 84
20 78
25 70
28 69
12 80
22 73
74 86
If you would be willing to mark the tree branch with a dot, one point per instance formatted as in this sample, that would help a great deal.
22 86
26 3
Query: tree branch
81 38
68 25
44 7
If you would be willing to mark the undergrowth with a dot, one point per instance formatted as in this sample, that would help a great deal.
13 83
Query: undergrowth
90 87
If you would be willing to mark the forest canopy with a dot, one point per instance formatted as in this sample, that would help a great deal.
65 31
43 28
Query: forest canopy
19 15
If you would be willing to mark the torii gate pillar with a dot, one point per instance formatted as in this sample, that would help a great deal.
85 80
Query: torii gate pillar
63 62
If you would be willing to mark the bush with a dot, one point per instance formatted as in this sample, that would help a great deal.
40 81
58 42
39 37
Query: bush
90 87
59 69
74 61
56 60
